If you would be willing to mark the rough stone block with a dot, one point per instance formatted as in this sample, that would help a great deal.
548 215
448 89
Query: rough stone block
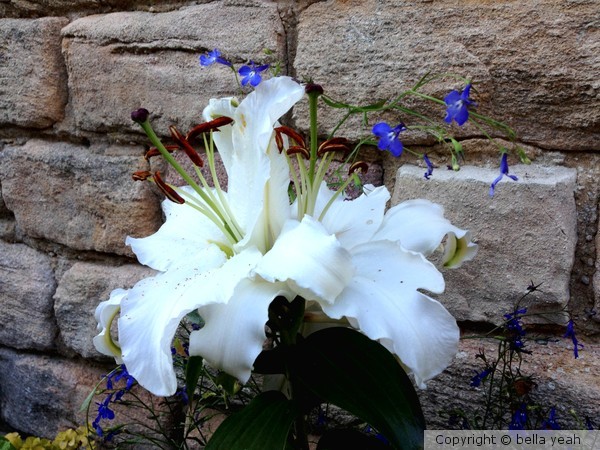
89 194
120 62
41 8
79 291
596 279
42 395
26 288
525 233
567 384
535 64
33 82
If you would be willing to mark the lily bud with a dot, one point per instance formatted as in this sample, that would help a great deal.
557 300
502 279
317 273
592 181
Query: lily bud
140 115
313 88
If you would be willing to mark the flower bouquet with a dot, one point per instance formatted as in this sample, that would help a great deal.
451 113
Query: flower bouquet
280 275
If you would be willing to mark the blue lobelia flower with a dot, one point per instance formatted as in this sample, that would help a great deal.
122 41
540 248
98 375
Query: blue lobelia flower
251 74
213 57
503 171
480 376
571 334
389 137
104 411
457 106
429 167
519 418
550 423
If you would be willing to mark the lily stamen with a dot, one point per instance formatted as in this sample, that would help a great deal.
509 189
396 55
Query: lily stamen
205 127
186 147
334 145
141 175
153 151
297 150
292 134
361 166
166 189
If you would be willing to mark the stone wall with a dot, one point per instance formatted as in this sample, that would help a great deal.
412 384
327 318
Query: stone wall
72 71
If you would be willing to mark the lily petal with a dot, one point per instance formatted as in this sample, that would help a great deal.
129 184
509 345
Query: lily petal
234 332
105 313
185 228
222 107
383 302
419 225
248 153
153 308
353 221
309 259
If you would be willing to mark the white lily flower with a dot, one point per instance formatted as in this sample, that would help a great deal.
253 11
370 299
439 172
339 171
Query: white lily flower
350 257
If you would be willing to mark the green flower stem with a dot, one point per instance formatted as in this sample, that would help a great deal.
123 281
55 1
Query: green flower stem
288 338
313 99
181 171
426 97
340 123
165 153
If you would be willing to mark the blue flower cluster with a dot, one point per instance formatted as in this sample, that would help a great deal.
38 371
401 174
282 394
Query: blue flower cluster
104 411
250 73
514 326
457 109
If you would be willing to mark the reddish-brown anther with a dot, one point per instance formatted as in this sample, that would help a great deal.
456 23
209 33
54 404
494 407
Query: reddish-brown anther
153 151
141 175
334 145
296 149
279 140
292 134
205 127
358 165
186 147
169 192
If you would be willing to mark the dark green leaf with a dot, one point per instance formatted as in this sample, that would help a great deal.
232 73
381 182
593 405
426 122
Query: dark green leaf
330 102
346 368
372 107
193 370
262 425
270 362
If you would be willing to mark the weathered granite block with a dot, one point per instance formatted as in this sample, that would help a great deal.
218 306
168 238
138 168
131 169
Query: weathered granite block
79 291
596 279
40 8
120 62
525 233
535 63
569 385
41 395
26 288
77 197
33 82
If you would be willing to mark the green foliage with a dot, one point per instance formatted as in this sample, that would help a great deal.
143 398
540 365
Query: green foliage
71 439
262 425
